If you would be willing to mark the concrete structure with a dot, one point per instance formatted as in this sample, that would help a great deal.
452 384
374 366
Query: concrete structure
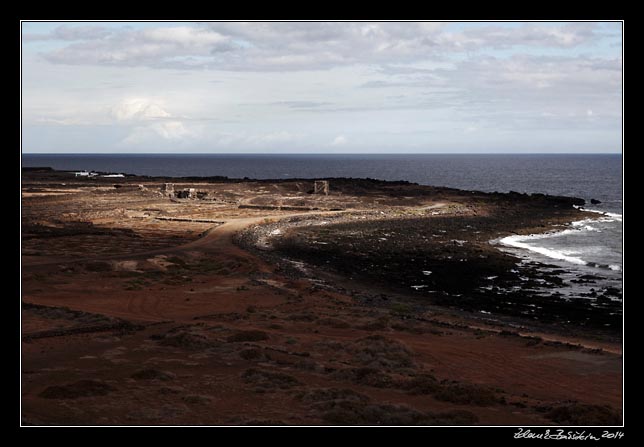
168 189
189 193
321 187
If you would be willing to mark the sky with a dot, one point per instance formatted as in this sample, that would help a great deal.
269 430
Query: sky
321 87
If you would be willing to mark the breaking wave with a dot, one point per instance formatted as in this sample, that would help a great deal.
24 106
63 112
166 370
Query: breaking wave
586 225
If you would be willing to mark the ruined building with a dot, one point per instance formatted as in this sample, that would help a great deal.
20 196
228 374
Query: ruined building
168 189
321 187
188 193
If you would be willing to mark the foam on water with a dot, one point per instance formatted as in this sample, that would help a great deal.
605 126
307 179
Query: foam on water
518 242
565 254
610 217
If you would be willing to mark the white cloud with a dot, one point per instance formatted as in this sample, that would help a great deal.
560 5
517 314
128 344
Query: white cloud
139 109
70 32
340 140
295 45
184 35
149 118
171 130
165 46
161 134
566 35
521 83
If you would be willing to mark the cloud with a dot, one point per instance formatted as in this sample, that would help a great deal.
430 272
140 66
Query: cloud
184 36
149 119
171 130
551 78
234 86
67 33
166 47
139 109
532 35
279 46
168 132
340 140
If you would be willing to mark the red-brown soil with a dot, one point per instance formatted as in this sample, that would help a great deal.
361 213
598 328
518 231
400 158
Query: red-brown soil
132 320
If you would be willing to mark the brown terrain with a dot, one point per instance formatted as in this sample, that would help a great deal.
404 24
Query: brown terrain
263 303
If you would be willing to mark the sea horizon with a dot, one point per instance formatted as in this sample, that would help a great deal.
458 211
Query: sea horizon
320 153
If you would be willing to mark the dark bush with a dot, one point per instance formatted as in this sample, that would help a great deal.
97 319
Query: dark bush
580 414
247 336
82 388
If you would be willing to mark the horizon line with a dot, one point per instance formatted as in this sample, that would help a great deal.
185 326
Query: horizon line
322 153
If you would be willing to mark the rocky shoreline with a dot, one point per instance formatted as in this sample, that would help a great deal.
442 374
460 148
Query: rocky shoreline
443 259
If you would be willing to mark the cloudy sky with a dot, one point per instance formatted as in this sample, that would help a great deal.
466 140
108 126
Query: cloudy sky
323 87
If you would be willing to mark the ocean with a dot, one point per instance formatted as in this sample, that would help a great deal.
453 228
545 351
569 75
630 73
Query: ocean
592 247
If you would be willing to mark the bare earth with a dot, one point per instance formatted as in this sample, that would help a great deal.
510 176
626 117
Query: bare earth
139 309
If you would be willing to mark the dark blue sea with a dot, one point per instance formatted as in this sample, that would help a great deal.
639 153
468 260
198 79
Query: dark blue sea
590 246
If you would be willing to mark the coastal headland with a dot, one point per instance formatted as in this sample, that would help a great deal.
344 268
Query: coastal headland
216 301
